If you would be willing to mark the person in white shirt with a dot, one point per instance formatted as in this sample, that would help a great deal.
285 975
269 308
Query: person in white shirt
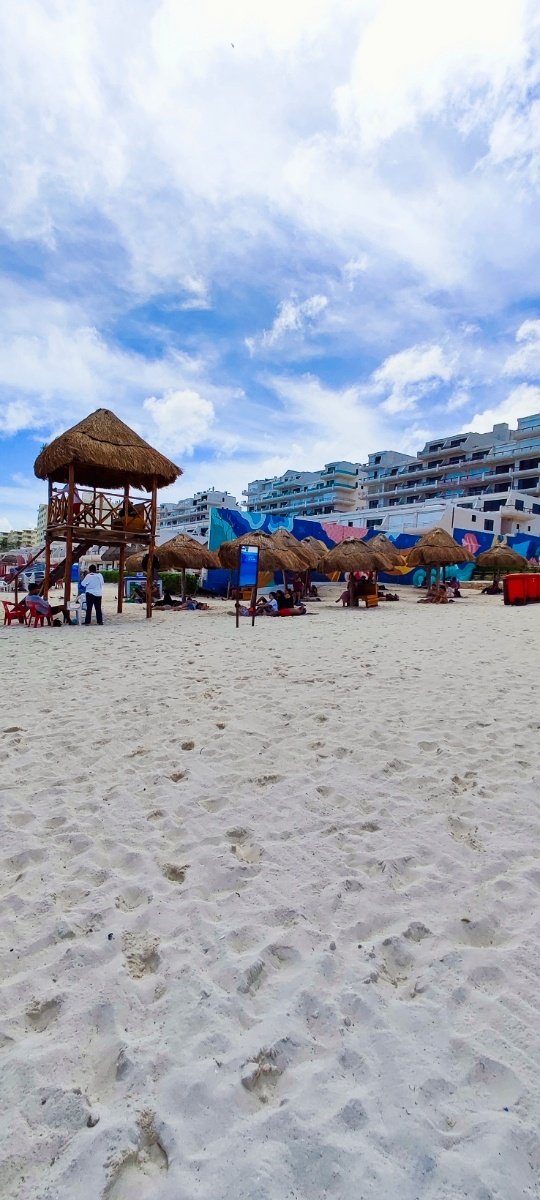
93 587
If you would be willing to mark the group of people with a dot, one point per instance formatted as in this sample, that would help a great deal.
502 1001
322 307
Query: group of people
360 585
280 603
442 593
92 584
190 604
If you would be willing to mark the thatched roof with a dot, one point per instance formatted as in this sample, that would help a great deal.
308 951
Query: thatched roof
113 553
437 548
106 454
273 555
352 555
183 551
177 554
315 548
288 540
391 553
501 558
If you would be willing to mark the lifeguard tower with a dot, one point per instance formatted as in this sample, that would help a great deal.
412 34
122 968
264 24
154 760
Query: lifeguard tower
105 458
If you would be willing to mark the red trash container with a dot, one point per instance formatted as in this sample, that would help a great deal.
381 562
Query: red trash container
514 588
533 587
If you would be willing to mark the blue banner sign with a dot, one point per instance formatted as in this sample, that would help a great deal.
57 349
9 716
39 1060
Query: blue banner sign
249 566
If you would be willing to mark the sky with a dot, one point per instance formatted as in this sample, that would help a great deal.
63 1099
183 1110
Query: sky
266 235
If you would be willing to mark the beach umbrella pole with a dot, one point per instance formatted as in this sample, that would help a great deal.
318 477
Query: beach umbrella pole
183 585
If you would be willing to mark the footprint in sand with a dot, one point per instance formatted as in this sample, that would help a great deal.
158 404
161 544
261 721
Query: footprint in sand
261 1077
462 832
137 1176
132 897
175 873
353 1115
141 954
40 1013
252 979
177 776
187 746
244 849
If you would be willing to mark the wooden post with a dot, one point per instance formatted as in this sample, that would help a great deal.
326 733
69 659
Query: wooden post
47 565
69 535
122 555
121 579
48 545
254 602
151 551
183 584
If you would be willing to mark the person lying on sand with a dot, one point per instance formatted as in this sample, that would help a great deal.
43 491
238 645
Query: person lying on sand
493 589
168 601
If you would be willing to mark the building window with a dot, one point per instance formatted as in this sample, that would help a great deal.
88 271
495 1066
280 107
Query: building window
488 524
473 518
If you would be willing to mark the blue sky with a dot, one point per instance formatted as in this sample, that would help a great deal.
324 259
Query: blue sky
266 235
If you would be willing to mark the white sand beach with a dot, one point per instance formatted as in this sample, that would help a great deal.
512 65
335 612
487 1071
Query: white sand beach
270 906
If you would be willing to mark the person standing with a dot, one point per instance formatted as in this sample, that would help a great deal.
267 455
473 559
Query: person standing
93 586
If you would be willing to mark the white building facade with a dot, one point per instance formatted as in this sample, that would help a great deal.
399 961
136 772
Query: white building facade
501 515
459 467
192 515
338 487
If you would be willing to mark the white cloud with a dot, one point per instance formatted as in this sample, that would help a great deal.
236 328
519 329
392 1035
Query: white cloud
5 525
520 402
526 360
292 317
183 418
407 375
419 57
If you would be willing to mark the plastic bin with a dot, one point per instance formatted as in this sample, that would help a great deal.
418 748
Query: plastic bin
514 589
532 588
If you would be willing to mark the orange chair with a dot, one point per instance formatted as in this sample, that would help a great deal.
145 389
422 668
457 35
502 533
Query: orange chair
13 612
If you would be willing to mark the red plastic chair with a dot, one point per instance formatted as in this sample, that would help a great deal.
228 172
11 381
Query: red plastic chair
13 612
36 618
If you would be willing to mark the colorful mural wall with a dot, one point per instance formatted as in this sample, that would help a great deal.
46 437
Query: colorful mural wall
227 524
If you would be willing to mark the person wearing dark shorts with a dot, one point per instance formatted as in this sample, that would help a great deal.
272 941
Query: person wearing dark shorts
93 587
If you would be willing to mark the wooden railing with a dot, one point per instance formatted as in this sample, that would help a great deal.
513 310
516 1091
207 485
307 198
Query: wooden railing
105 510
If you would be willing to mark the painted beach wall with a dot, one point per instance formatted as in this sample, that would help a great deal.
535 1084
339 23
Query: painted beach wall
227 524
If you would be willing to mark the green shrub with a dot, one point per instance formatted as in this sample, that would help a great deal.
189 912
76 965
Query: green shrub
172 581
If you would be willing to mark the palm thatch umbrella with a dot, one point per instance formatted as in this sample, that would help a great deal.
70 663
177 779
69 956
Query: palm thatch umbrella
105 453
500 559
273 554
437 548
183 551
352 554
288 540
178 554
112 555
315 548
391 553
